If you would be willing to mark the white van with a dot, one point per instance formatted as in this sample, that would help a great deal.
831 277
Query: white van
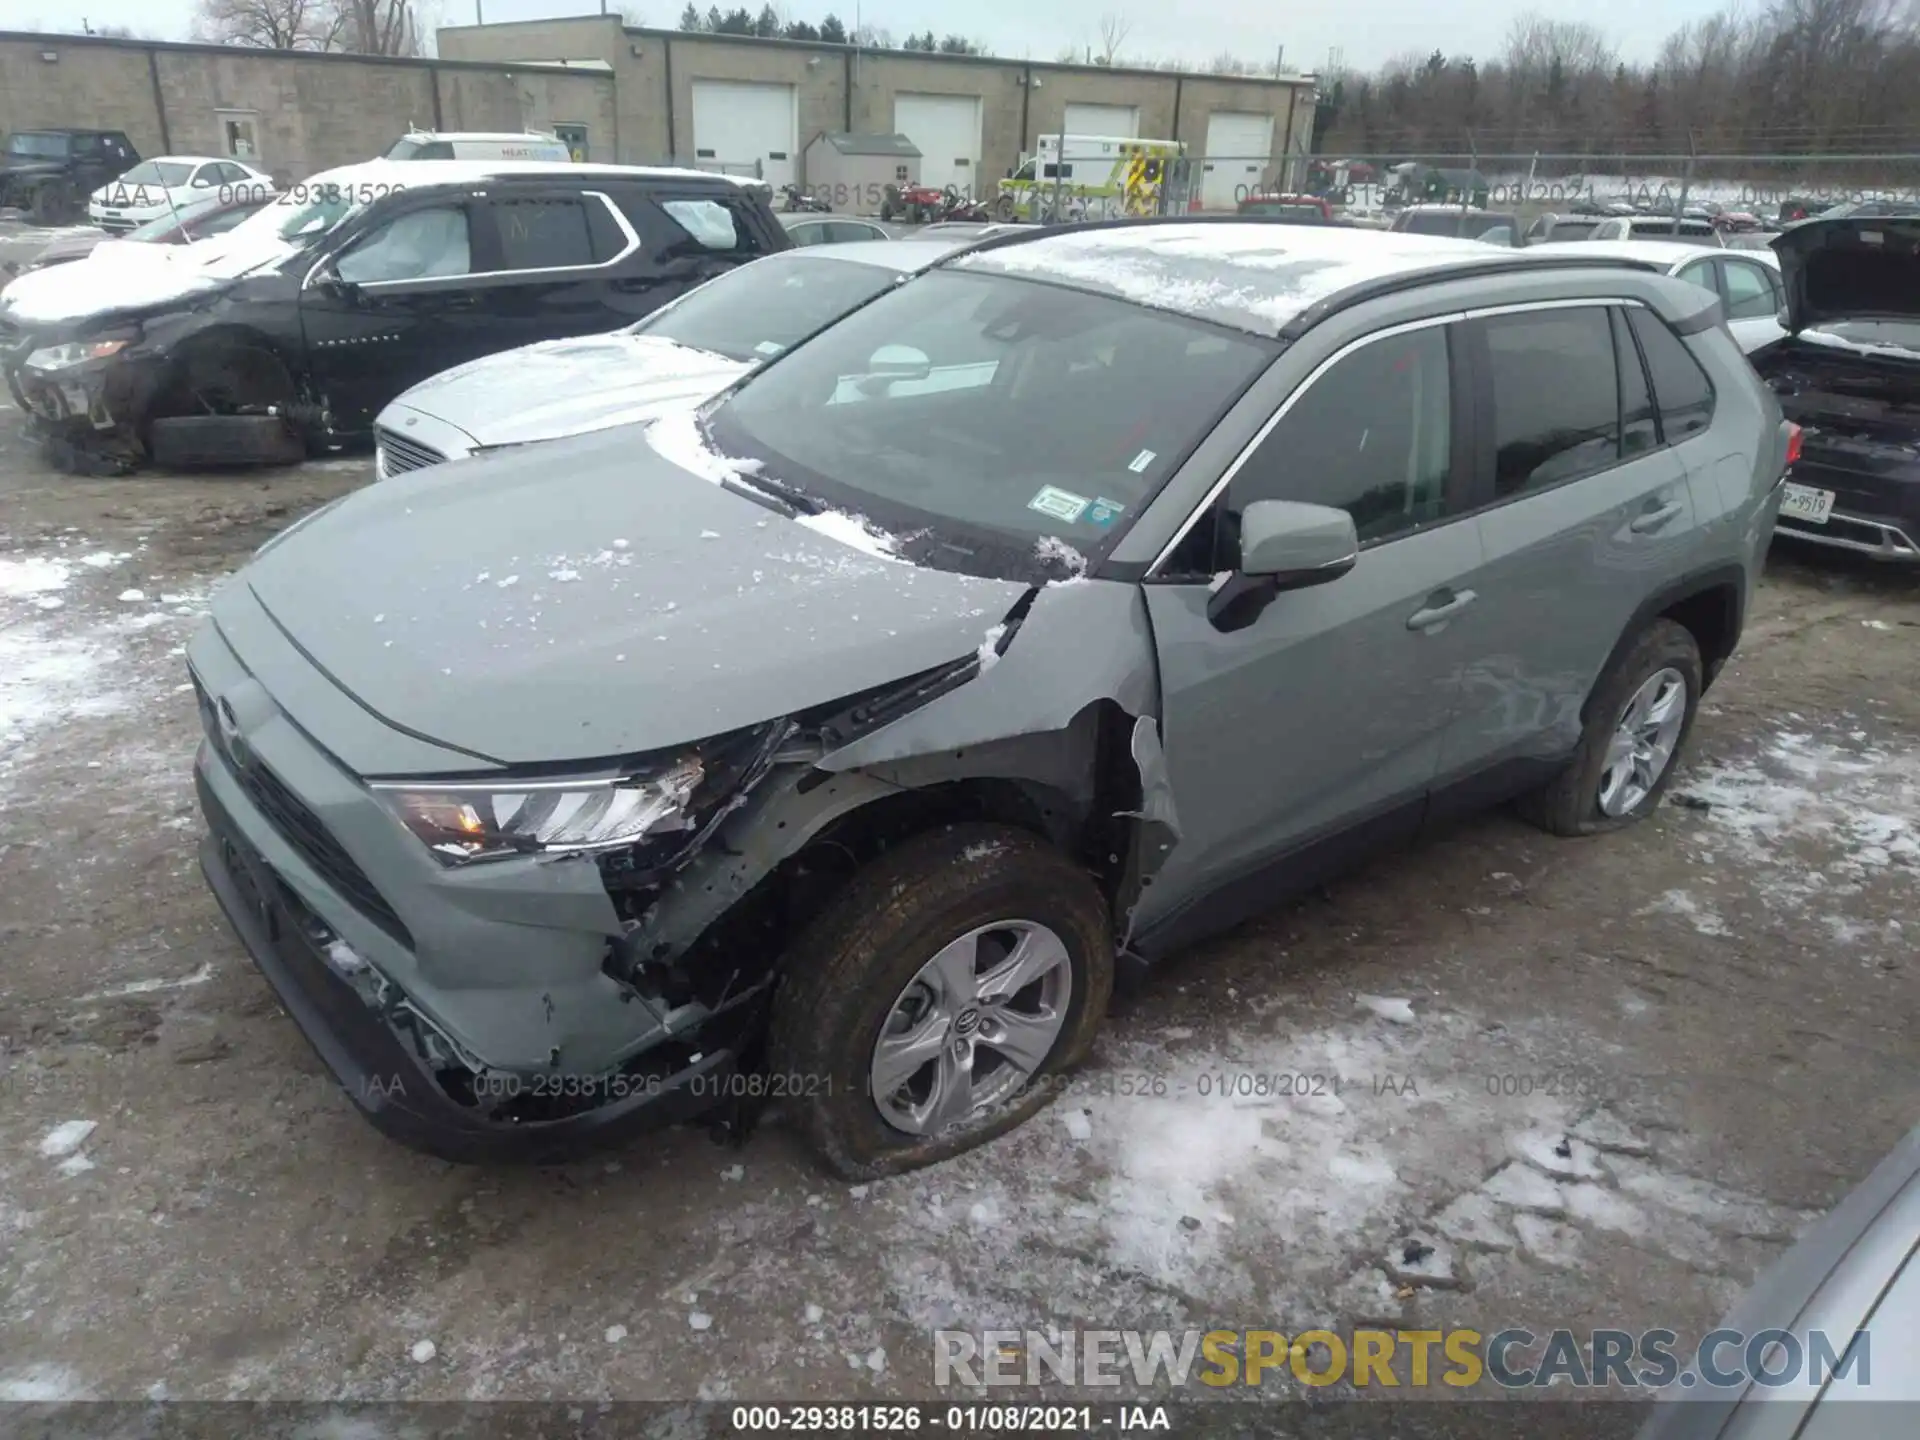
478 145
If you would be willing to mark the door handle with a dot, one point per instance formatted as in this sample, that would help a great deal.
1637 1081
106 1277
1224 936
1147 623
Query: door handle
1441 606
1651 520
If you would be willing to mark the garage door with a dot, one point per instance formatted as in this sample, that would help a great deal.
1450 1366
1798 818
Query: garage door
1239 146
1121 120
947 130
742 128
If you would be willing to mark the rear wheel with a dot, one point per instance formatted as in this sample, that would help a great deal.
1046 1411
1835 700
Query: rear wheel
922 1013
1637 721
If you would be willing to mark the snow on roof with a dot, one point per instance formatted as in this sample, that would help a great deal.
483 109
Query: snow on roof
414 173
1251 276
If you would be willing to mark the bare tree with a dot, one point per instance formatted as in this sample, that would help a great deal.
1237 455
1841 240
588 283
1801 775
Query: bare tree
1114 29
270 24
378 27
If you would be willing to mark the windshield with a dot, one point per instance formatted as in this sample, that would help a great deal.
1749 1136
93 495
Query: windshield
1572 229
40 147
754 312
158 172
994 425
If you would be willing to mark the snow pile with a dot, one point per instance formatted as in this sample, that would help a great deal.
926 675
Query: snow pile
33 576
1820 815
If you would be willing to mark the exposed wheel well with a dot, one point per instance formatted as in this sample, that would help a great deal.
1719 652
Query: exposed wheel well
1712 616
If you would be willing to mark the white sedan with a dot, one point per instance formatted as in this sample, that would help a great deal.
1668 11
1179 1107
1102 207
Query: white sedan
154 188
1747 281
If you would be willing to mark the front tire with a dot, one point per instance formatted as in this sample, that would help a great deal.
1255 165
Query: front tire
1637 723
922 1013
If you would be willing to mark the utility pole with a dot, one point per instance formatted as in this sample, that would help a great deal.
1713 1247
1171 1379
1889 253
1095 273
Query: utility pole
1279 61
479 13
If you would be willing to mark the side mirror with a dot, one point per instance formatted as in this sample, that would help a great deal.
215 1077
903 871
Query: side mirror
329 284
1284 545
1292 545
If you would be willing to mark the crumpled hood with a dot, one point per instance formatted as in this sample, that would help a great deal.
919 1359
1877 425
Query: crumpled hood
591 599
1850 268
113 280
568 387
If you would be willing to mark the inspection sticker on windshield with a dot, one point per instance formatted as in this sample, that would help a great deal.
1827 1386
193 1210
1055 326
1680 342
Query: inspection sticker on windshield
1061 504
1104 511
768 347
1141 461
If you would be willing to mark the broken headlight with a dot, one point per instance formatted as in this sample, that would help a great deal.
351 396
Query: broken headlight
484 820
78 352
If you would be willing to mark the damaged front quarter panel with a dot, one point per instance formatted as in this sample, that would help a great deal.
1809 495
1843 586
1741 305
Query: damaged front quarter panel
1039 712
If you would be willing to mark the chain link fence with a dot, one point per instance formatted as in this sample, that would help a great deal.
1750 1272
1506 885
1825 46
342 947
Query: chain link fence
1770 187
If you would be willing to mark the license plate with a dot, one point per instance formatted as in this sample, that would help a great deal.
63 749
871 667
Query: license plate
1805 502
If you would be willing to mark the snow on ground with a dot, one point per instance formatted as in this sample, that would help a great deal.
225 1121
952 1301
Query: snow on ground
1824 814
1172 1170
86 657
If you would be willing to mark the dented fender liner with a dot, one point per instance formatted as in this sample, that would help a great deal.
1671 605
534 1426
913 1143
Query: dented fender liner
385 1080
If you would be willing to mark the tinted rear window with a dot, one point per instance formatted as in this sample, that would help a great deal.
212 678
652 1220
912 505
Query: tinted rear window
1680 387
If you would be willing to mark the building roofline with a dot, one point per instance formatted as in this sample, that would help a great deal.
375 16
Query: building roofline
46 40
1292 80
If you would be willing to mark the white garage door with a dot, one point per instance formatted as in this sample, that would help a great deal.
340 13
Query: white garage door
1121 120
1239 146
947 130
743 128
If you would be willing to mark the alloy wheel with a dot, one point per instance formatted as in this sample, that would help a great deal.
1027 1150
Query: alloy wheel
974 1023
1643 742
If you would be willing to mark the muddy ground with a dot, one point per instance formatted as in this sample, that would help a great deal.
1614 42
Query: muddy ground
1723 1002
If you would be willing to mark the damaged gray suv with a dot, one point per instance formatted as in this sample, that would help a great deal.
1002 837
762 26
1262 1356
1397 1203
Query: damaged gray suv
840 743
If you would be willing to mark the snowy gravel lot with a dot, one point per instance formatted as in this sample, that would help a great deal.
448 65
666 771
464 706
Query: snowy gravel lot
1610 1079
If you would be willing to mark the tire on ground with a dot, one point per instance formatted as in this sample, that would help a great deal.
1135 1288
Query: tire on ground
852 962
197 442
1569 804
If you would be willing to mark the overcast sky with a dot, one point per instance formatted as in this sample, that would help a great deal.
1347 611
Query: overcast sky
1367 31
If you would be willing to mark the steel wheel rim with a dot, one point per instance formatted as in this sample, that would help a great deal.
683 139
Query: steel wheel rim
971 1027
1643 742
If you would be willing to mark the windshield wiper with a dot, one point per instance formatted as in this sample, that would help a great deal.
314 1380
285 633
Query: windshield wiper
763 488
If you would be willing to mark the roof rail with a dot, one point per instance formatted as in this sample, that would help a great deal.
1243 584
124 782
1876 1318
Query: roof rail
1499 261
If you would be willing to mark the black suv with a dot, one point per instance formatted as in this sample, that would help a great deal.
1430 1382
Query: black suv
50 173
304 320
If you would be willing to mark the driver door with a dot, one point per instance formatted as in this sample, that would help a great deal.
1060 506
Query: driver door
394 305
1322 717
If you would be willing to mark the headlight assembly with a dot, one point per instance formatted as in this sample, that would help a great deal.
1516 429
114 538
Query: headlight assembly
482 820
78 352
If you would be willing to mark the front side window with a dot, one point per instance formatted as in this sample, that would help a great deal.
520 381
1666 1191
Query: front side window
988 421
1372 436
1556 397
416 246
1750 292
38 147
756 311
1699 272
1681 389
812 234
